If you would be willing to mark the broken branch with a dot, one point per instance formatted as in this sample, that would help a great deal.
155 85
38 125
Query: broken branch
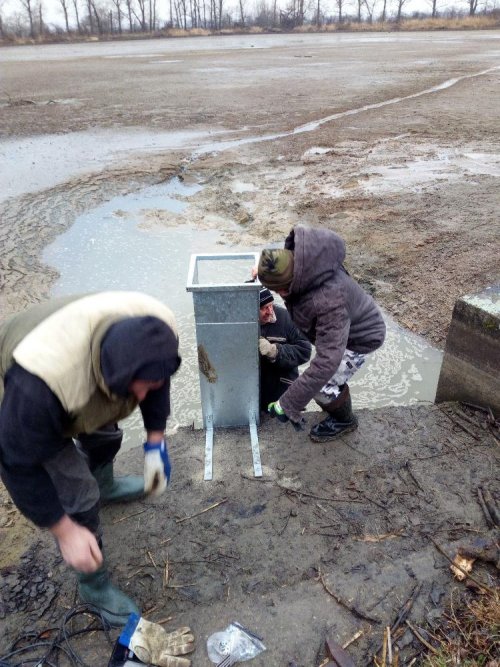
345 604
207 509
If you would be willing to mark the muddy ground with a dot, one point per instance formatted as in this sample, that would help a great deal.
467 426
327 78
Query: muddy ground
409 175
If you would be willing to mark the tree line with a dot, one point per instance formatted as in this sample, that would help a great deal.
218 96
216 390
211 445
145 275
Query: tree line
121 17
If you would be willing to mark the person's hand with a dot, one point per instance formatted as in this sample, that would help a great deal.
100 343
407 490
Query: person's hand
275 410
267 349
78 545
156 468
154 645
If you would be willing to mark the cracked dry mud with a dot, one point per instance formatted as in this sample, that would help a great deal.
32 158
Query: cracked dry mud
413 188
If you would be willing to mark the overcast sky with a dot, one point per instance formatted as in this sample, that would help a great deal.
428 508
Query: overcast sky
53 13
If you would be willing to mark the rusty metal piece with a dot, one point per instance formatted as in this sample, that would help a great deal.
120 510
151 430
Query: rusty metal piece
339 656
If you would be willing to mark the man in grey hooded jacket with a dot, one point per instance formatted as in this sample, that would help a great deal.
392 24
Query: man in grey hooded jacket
336 314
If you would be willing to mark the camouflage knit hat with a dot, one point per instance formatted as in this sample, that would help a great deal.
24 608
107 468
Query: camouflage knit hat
276 268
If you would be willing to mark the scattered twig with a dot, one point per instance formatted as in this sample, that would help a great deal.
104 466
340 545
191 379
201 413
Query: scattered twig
412 475
311 495
421 639
467 574
135 573
207 509
358 634
166 573
151 559
345 604
491 506
486 512
458 423
129 516
164 620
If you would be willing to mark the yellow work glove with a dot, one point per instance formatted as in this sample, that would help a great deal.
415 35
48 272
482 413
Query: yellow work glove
155 646
267 349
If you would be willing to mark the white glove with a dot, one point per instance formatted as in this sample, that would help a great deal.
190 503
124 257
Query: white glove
154 646
156 468
267 349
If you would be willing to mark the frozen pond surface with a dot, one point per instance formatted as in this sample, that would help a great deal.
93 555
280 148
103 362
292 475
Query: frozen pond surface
111 247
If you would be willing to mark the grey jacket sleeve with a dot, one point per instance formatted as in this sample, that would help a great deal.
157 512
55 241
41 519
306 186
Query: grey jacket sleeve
332 332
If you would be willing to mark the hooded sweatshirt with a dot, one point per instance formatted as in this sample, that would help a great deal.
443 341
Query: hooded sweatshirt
330 307
66 366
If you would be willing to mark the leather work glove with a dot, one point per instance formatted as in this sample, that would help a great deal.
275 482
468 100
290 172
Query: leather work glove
155 646
275 410
156 468
267 349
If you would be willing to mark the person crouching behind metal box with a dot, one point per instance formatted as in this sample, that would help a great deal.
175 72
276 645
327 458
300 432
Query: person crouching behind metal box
336 314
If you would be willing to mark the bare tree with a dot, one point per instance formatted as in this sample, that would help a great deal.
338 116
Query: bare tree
433 4
399 5
64 6
119 13
142 17
383 15
41 27
472 7
370 9
242 13
97 16
28 6
77 17
340 9
359 4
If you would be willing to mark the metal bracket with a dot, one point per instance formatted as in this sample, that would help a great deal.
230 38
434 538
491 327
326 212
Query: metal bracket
254 438
209 448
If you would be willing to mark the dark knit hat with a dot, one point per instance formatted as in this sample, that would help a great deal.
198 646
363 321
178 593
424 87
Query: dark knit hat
276 268
265 297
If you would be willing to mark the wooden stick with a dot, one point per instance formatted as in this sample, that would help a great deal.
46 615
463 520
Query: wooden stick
186 518
421 639
389 645
467 574
123 518
384 649
486 513
343 603
311 495
353 638
491 506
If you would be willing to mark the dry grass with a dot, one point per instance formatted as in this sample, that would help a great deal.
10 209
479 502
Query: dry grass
409 25
469 635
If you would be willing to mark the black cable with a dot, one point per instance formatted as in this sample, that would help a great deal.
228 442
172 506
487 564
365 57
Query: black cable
60 642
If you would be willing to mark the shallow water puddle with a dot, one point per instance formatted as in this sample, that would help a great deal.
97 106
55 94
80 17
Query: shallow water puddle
109 248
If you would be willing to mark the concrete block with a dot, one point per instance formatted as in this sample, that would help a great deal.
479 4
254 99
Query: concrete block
471 363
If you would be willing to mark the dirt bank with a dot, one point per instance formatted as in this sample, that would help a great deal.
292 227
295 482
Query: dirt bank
333 538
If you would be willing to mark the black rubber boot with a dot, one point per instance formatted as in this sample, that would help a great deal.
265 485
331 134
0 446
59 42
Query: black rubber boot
340 419
96 589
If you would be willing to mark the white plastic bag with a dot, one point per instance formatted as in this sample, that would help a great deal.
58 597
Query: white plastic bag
236 641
